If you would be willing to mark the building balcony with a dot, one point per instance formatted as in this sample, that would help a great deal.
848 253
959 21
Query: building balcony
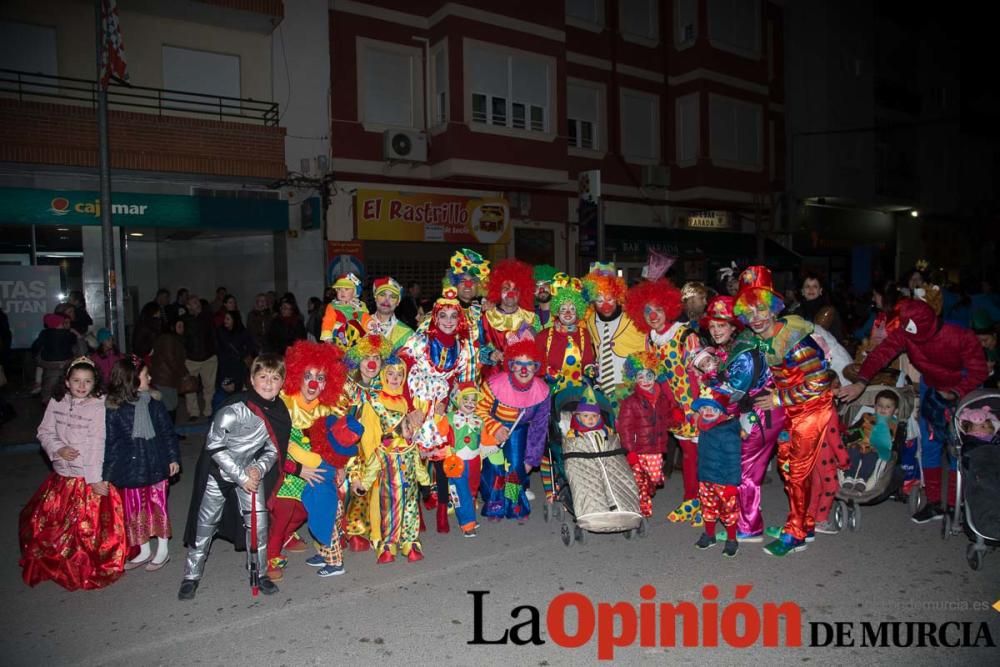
48 120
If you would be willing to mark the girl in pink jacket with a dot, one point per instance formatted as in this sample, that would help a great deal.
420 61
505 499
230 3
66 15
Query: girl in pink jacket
72 531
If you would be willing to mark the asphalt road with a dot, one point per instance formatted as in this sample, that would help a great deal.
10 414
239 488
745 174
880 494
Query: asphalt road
421 613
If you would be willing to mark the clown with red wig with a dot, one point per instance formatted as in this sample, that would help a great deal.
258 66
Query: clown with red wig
515 409
803 387
314 385
511 289
743 376
614 333
654 305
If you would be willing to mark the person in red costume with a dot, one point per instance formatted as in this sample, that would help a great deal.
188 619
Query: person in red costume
512 289
951 363
654 306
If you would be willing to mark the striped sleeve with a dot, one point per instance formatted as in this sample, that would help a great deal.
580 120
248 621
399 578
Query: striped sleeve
813 375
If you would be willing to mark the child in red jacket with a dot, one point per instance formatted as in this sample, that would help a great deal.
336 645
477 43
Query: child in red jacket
644 421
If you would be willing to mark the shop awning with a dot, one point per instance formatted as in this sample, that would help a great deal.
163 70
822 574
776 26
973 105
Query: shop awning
632 244
245 210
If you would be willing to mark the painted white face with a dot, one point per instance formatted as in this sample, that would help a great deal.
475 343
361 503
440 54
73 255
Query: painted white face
313 384
762 321
447 320
605 304
567 314
645 379
509 295
267 383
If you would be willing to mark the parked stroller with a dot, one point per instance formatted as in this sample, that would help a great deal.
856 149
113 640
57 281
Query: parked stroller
596 491
977 502
887 479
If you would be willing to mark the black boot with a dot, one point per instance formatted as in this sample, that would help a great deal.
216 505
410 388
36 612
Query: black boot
188 589
267 587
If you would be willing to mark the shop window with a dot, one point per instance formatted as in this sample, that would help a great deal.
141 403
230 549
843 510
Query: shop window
640 126
640 18
201 72
390 83
509 89
735 26
735 132
584 108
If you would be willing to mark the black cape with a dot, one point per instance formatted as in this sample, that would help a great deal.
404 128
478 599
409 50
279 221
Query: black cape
231 526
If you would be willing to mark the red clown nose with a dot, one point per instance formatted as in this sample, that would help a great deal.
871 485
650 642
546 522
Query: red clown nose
511 294
372 365
313 385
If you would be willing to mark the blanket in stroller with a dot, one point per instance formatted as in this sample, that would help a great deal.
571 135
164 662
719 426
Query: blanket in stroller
982 489
605 497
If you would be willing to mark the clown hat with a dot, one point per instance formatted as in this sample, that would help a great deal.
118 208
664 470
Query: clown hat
465 388
720 309
347 281
588 402
470 263
709 399
386 284
757 287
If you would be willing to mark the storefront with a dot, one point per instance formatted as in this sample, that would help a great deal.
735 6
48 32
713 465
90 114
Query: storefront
161 240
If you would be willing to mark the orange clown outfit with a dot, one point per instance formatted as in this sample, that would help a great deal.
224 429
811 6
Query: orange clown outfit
613 331
346 318
654 305
803 387
511 289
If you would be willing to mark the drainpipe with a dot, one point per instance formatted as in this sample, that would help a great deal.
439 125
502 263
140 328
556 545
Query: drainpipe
427 82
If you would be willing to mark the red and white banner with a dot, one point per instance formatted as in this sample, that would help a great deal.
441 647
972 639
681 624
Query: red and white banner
113 52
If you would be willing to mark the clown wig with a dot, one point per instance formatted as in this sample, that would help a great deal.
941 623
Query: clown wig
329 359
602 284
544 273
659 293
517 272
750 298
449 300
522 348
371 345
644 360
566 295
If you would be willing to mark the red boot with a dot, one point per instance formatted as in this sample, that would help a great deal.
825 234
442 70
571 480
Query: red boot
385 557
414 554
431 502
358 543
442 518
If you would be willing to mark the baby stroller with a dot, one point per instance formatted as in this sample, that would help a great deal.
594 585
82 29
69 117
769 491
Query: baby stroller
887 479
596 488
978 483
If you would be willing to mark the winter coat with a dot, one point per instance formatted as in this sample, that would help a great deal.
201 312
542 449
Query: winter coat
56 345
719 451
167 366
948 356
643 427
258 323
105 362
233 348
199 337
79 423
132 462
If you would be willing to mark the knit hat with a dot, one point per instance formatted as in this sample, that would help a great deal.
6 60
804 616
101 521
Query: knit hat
386 284
709 399
756 288
103 335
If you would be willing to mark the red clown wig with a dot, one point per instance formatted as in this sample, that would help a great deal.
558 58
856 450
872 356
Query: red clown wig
522 344
328 359
517 272
659 293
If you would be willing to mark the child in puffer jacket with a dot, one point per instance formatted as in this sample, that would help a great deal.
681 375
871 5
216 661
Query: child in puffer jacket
645 418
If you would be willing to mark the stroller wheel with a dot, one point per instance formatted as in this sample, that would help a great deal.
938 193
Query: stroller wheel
643 528
974 557
566 533
839 514
546 511
946 527
917 500
580 534
854 519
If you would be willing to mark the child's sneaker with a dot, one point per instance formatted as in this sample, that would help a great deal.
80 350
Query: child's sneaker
732 546
774 532
330 570
784 545
470 532
705 541
274 568
315 561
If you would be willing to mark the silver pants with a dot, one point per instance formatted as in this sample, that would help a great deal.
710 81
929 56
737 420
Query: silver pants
209 515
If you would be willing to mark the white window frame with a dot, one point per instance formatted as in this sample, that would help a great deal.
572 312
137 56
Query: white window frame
655 128
758 166
600 146
440 117
754 53
680 43
586 24
654 21
417 108
679 129
550 114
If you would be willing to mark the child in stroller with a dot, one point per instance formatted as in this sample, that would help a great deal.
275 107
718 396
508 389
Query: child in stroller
869 442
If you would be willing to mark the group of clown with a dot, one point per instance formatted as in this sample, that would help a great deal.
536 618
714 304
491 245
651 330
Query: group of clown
457 413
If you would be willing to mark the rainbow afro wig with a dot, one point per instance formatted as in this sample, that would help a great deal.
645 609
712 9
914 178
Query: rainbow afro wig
603 280
756 290
371 345
640 361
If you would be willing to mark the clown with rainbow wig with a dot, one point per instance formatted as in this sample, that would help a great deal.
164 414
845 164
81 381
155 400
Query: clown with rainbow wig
614 333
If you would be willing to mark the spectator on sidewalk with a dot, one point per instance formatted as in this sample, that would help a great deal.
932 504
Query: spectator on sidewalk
178 309
168 365
82 321
285 329
259 320
147 328
199 346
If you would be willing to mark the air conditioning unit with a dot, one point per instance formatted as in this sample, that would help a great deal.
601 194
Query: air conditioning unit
404 146
655 176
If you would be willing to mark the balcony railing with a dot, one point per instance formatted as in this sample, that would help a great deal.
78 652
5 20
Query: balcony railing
160 101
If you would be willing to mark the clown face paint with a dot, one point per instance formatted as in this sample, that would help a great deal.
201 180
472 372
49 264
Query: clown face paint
467 404
523 369
606 305
509 296
467 289
762 321
447 320
721 332
370 367
655 317
567 314
385 303
313 384
645 379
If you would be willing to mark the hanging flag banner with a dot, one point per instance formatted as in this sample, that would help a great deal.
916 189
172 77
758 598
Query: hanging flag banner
384 215
113 64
